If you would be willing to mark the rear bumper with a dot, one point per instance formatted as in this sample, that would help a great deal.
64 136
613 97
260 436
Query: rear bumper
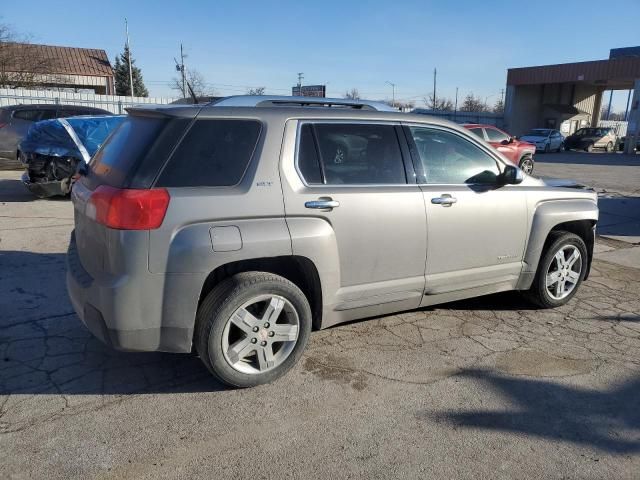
109 308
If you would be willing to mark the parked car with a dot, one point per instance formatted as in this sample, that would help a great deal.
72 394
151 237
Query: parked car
589 138
518 151
231 229
53 149
15 121
623 141
545 139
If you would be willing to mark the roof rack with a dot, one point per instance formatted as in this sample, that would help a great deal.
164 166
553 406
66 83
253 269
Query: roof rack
283 101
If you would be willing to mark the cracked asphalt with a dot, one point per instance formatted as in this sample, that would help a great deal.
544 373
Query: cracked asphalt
484 388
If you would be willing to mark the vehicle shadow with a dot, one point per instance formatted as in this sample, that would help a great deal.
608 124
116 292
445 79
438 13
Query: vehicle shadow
619 216
594 158
45 349
605 420
15 191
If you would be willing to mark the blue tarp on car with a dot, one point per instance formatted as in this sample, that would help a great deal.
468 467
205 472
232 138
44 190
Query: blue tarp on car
52 137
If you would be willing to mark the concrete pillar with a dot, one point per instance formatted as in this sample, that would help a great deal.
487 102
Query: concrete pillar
633 127
508 106
597 106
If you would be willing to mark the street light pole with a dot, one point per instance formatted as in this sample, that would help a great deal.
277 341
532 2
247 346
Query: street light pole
393 92
126 26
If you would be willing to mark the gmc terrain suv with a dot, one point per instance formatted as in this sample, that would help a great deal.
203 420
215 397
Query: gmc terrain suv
238 227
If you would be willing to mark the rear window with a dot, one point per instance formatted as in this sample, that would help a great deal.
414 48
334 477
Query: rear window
213 153
30 115
120 156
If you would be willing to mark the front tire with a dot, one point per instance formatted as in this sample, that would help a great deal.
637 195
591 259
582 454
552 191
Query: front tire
609 147
547 148
252 328
589 148
526 164
560 271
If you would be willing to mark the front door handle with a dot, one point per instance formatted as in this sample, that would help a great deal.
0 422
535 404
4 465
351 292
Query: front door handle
322 204
445 200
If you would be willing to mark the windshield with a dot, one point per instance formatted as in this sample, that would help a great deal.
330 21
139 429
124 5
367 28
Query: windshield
538 132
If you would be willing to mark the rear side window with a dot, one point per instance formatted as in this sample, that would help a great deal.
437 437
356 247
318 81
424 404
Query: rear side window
118 158
213 153
351 154
30 115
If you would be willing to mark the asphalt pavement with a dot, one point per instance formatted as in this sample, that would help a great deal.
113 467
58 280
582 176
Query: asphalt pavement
484 388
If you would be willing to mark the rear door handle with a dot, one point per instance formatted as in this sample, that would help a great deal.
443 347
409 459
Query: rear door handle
322 204
445 200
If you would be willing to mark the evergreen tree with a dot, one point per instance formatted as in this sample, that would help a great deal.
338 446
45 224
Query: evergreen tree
121 72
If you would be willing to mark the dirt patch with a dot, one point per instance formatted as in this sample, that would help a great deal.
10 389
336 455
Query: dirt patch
540 364
330 369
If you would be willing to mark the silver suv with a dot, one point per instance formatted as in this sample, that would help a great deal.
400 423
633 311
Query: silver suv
238 227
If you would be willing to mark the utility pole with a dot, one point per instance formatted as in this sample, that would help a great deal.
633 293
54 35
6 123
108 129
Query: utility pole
184 76
435 103
455 108
126 27
502 96
393 92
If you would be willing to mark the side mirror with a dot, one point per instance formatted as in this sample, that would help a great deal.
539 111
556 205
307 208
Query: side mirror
512 175
506 141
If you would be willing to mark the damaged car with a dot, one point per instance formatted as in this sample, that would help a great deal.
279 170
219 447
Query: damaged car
53 149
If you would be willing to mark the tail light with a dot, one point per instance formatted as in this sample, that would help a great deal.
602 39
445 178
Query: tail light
128 209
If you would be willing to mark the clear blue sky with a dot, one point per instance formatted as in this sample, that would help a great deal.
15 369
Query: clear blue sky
344 44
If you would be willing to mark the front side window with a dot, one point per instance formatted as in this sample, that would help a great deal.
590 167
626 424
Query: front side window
478 132
496 135
350 154
448 158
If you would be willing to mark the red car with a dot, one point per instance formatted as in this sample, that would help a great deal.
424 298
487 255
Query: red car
519 152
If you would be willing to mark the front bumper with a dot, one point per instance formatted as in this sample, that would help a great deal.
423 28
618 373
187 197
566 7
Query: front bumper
57 188
107 307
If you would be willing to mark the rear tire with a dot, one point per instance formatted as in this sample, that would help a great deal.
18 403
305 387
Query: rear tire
560 251
589 148
239 337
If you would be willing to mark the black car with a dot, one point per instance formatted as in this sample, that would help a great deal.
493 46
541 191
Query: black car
589 138
53 149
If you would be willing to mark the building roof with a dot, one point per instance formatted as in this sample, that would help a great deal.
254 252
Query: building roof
613 73
59 60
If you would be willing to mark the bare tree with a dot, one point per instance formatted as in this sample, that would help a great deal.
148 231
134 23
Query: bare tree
256 91
20 63
442 104
197 83
499 106
352 94
472 103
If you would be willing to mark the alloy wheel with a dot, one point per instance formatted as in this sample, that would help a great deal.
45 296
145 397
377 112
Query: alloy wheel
564 271
261 334
526 165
